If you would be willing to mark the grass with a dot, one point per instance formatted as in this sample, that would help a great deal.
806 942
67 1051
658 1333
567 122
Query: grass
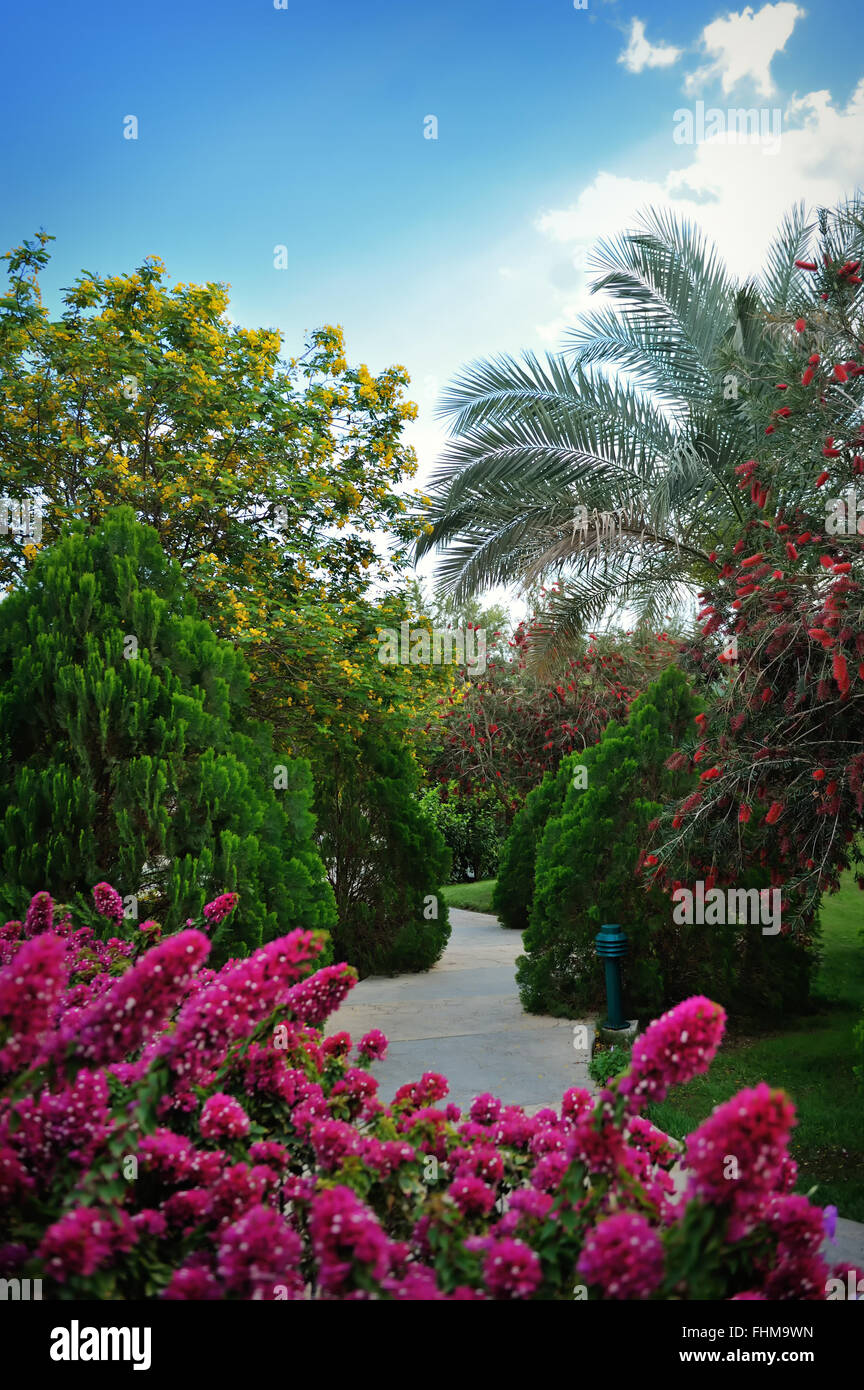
812 1058
474 897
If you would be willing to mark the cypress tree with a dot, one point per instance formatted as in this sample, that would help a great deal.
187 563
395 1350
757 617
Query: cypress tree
127 753
588 859
385 857
514 887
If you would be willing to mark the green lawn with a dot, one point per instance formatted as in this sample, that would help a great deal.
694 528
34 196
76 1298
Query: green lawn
811 1057
474 897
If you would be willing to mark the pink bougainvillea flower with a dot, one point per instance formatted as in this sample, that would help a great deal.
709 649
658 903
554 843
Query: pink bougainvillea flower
674 1048
216 912
622 1257
108 902
752 1129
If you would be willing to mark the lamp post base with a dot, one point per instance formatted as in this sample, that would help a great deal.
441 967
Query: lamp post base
608 1033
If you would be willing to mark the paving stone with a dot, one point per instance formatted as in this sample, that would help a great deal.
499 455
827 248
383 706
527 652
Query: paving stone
464 1019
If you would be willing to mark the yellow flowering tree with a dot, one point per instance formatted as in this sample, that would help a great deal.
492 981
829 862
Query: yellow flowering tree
279 487
261 476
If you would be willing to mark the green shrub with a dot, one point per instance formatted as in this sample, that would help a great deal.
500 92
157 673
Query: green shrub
126 752
472 826
385 859
514 890
608 1060
588 858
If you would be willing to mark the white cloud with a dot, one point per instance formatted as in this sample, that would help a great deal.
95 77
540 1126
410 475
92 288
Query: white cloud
640 54
735 192
742 46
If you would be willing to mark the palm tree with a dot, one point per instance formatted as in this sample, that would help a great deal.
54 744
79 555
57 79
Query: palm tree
639 420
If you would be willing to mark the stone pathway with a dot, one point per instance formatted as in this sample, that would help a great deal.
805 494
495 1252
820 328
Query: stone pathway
463 1019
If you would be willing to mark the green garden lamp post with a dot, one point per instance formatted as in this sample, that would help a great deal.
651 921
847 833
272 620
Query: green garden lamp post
611 946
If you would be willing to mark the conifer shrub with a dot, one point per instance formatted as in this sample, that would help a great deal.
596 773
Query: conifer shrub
385 857
589 855
514 887
127 753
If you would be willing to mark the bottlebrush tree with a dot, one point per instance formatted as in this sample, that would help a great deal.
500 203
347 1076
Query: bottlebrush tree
168 1132
506 728
781 755
126 752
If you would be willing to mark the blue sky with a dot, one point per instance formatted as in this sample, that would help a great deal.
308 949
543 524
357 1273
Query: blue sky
303 127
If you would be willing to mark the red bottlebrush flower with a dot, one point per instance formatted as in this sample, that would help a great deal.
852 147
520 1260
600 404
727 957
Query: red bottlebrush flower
775 811
800 325
823 478
744 813
807 376
709 774
700 718
841 568
818 774
650 858
769 429
840 372
783 411
806 265
826 562
782 386
791 551
840 670
713 556
752 560
803 538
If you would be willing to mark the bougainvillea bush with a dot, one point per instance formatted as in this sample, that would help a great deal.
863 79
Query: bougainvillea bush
168 1131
